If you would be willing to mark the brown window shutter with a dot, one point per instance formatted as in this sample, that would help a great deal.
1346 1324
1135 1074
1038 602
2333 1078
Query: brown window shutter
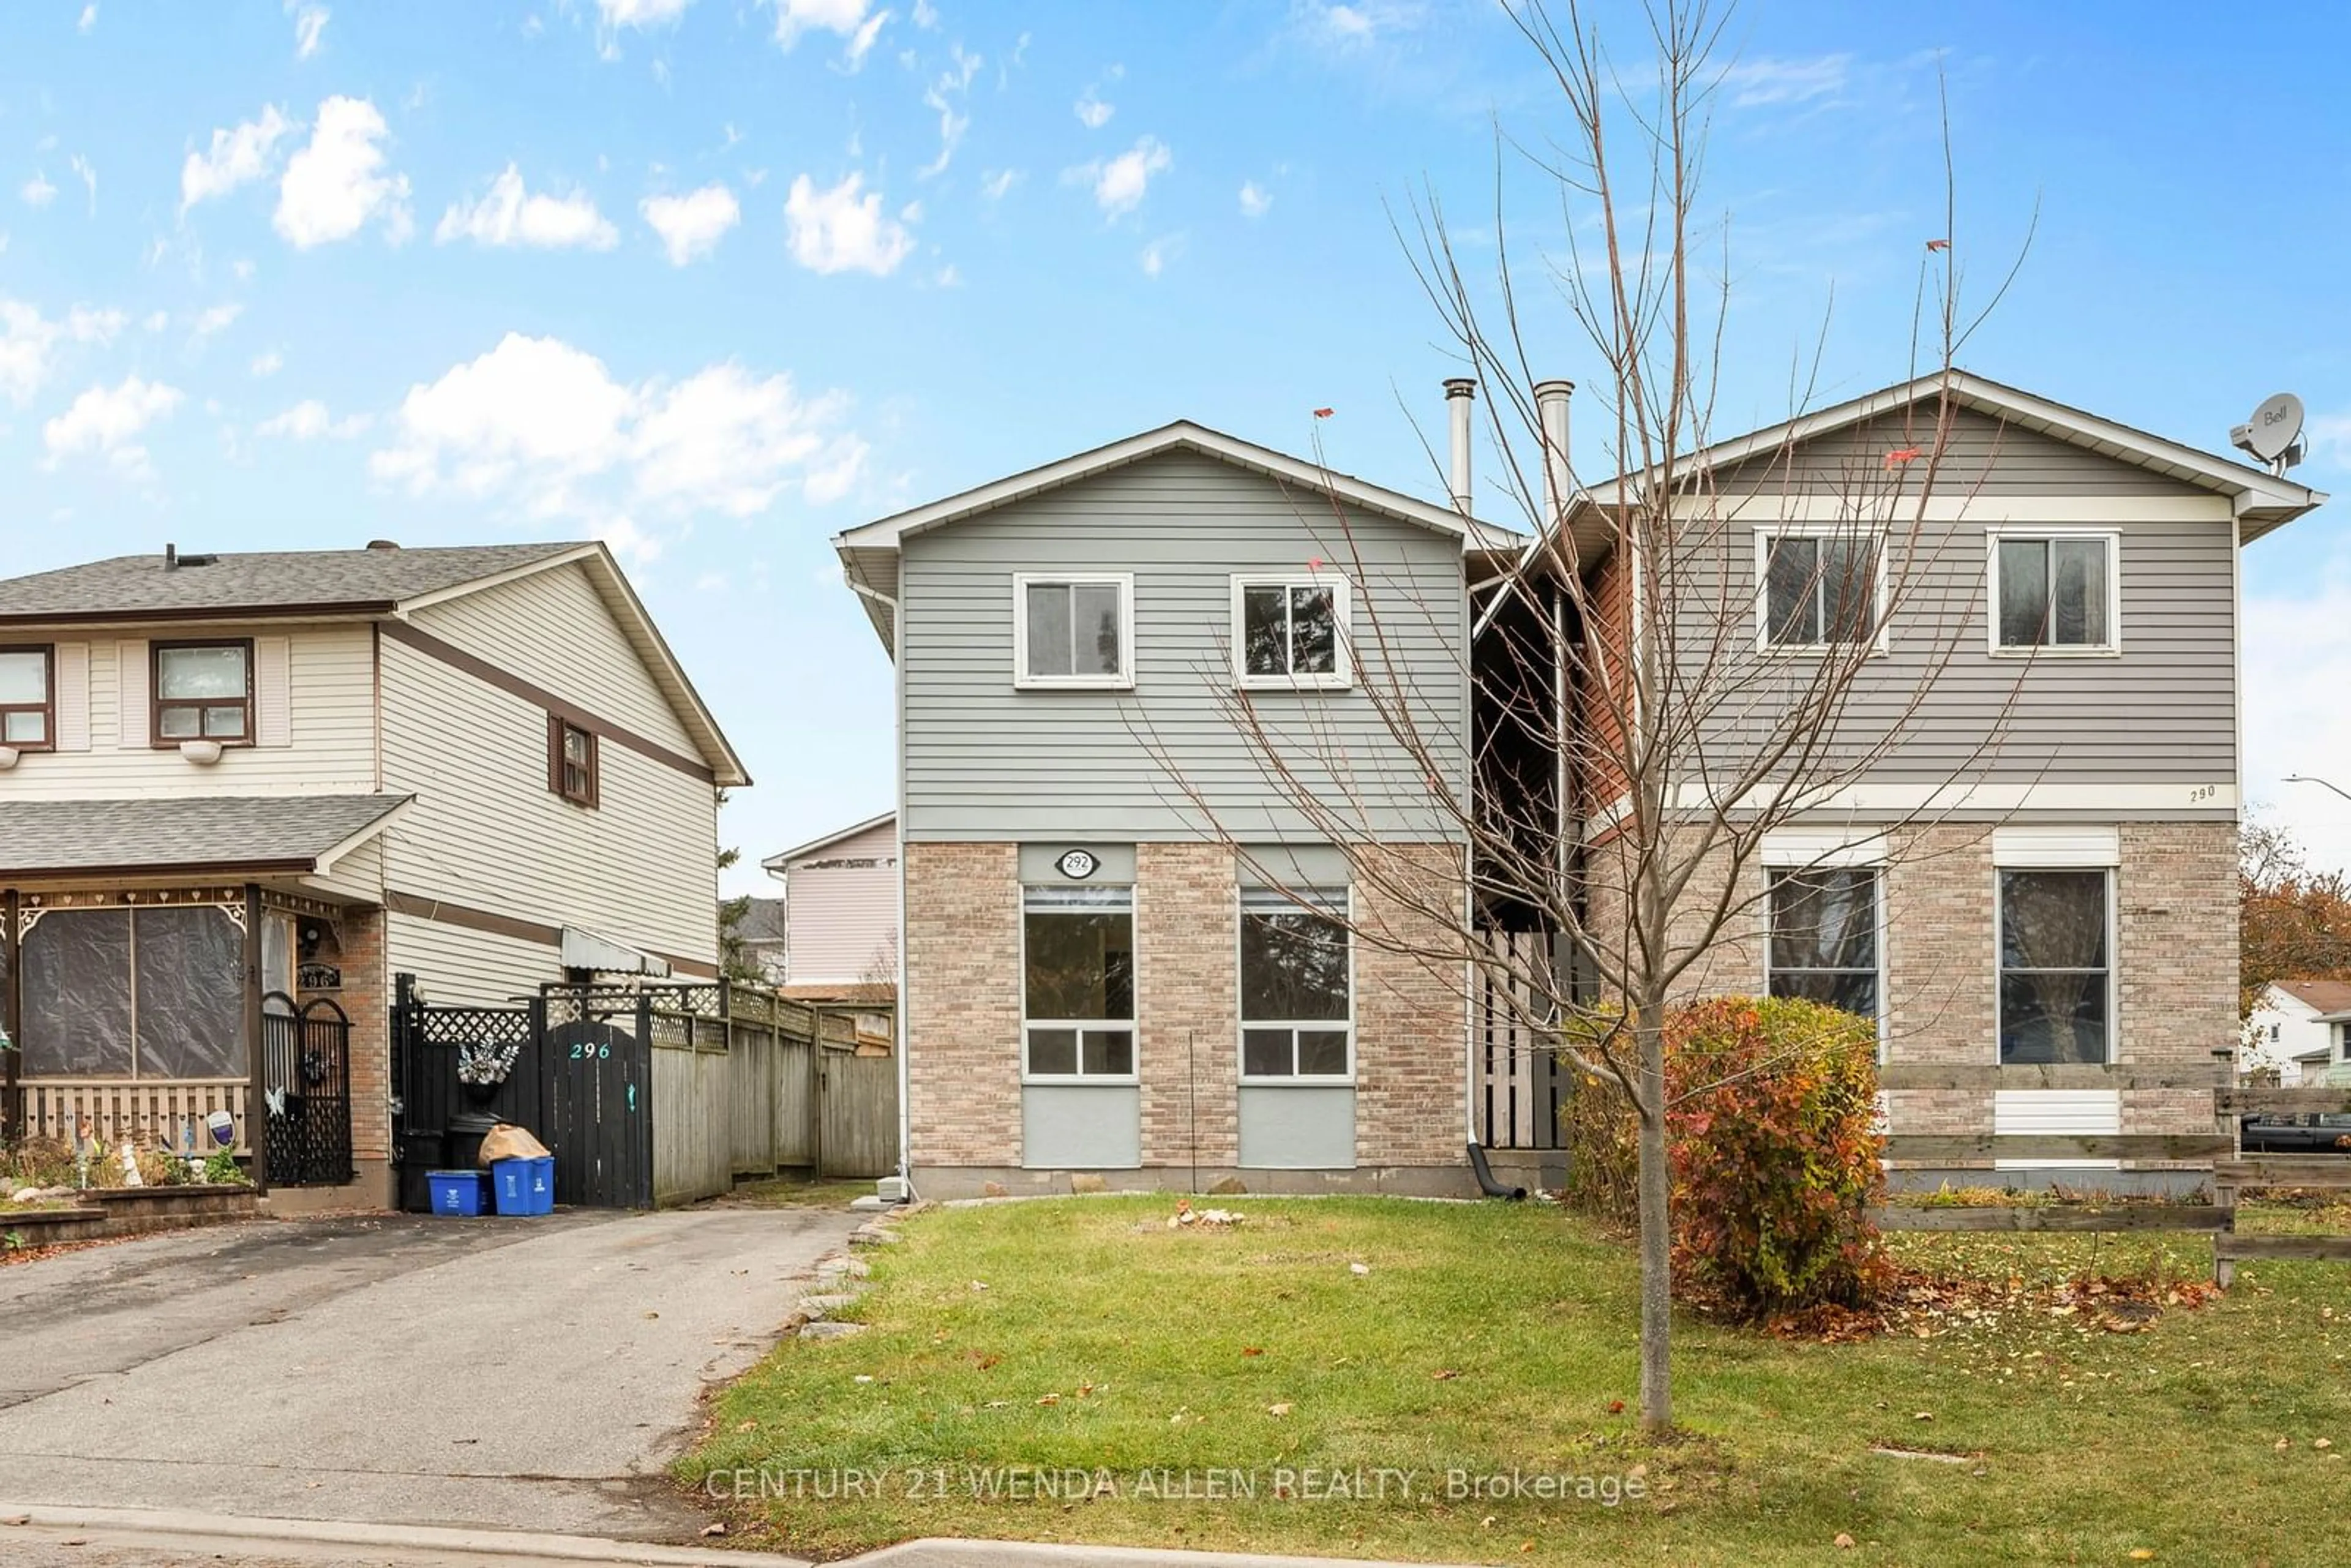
595 771
555 754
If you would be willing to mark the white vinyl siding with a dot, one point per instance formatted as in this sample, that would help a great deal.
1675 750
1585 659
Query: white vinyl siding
2056 1112
486 832
465 967
840 911
329 701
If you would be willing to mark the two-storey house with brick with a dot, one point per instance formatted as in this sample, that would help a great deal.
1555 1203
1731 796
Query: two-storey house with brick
1112 962
240 792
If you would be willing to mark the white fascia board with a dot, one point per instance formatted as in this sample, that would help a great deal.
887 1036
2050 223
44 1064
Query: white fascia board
327 858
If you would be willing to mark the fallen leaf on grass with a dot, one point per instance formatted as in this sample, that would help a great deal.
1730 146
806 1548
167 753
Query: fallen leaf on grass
1051 1399
1358 1268
1923 1416
1252 1350
2142 1554
1446 1375
1281 1409
2282 1444
714 1528
747 1425
2323 1443
1615 1407
1843 1542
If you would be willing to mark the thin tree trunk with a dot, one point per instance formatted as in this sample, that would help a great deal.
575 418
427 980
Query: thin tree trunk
1657 1228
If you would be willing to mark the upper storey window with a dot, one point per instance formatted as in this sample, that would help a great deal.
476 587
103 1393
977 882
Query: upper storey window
1819 590
204 690
1073 631
2055 593
28 716
1290 632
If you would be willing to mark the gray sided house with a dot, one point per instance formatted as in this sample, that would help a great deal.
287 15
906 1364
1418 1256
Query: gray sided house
1093 978
1112 961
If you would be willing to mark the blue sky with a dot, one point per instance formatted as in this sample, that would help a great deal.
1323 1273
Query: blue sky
714 279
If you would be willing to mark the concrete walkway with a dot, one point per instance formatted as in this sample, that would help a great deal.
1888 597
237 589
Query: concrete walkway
401 1370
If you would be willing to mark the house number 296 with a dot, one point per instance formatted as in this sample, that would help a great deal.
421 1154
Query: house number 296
583 1051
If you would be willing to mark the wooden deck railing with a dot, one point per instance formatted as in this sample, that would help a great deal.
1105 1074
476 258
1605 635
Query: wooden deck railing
115 1109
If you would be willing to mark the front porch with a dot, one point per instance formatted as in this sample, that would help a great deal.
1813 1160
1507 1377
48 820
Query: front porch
237 1005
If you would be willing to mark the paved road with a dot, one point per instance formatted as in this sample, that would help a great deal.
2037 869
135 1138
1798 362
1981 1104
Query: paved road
523 1374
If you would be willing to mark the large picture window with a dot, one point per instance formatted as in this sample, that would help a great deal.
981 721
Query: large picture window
1073 631
1077 981
1290 632
204 690
1296 990
1823 943
1818 589
27 701
2056 592
2055 967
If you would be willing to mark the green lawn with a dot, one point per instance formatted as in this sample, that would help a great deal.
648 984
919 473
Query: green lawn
1494 1339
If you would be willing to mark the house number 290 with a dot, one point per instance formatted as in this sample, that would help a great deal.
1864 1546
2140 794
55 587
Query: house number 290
583 1051
2202 792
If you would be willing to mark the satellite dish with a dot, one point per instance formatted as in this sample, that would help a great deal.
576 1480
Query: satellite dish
2271 434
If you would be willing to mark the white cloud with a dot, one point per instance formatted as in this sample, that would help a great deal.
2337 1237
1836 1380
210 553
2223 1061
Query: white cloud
997 183
89 17
692 225
37 192
1092 111
544 426
639 13
309 22
506 215
268 364
337 185
1356 25
308 420
1120 184
243 267
84 325
88 177
106 421
27 338
861 41
238 156
1256 200
1157 254
839 230
794 17
943 95
1763 83
156 321
219 318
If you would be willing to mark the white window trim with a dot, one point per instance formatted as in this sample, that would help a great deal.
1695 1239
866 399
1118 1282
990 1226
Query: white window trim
1342 674
1242 1022
2110 649
1134 1026
1121 682
1869 857
1764 534
2114 945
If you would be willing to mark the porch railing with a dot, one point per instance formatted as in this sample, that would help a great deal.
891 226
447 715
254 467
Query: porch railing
116 1109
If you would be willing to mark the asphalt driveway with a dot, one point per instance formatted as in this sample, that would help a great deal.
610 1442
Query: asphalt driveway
525 1373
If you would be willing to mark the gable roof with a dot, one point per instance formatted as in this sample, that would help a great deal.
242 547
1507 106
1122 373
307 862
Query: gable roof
2261 500
262 585
783 857
2327 996
868 553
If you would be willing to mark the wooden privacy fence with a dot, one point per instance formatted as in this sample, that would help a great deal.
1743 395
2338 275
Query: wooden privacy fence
658 1094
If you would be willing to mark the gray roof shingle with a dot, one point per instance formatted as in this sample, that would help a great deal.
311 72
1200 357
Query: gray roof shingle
206 832
260 580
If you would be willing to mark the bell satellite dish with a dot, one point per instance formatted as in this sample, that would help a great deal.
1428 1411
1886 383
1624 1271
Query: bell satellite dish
2272 431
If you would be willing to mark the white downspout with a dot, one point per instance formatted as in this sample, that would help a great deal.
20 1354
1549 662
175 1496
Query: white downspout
906 979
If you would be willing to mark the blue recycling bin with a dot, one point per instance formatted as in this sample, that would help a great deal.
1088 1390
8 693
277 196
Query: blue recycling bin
524 1186
458 1193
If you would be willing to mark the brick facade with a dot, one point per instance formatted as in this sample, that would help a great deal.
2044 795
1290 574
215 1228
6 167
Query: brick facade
962 994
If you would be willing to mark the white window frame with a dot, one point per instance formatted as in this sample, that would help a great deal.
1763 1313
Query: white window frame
2019 533
2058 859
1342 674
1869 858
1132 1026
1243 1023
1765 533
1121 682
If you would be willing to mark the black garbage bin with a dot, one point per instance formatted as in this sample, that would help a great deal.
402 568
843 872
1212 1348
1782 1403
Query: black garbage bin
466 1131
421 1151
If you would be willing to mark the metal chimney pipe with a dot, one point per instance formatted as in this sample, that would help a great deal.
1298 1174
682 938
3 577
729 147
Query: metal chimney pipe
1459 392
1550 409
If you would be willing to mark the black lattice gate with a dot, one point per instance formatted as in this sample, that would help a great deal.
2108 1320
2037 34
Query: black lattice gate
306 1067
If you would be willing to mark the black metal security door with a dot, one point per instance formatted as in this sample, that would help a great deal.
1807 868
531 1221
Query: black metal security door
306 1075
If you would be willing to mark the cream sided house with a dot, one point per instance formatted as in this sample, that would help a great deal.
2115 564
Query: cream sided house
1113 960
240 792
840 914
2295 1031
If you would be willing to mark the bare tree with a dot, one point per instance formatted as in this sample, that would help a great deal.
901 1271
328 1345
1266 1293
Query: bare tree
1664 667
